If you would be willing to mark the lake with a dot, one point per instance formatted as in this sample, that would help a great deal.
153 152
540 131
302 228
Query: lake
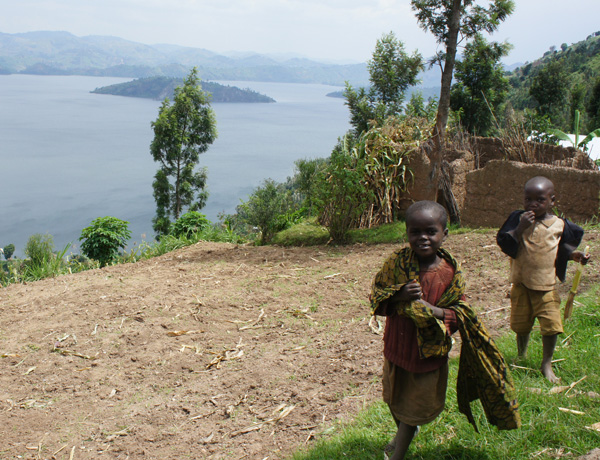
68 156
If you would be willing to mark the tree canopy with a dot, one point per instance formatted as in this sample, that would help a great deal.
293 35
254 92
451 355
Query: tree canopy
452 21
481 85
391 72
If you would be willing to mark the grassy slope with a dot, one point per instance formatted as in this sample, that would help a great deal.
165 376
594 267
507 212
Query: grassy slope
547 431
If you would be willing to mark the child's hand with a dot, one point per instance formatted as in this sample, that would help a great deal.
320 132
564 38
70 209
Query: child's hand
410 291
527 219
435 311
580 257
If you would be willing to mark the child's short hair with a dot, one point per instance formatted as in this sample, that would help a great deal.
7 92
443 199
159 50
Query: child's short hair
428 206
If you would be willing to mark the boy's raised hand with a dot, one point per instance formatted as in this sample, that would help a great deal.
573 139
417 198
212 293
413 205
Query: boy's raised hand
580 257
527 219
410 291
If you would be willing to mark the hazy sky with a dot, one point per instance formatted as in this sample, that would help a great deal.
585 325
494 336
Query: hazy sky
323 29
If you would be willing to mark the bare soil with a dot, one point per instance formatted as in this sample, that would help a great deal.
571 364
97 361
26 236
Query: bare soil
215 351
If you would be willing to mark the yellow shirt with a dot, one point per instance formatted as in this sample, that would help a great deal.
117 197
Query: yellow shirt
538 247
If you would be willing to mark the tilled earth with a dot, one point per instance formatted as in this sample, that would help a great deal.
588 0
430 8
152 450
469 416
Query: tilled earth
215 351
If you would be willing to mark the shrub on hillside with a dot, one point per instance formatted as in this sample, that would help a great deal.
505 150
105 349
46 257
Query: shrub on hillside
103 239
8 251
190 223
342 196
264 209
39 248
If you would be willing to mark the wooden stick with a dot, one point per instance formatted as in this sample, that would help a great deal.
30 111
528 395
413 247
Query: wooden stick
575 383
494 310
571 411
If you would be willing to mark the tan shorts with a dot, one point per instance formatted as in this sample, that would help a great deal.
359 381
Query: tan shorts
414 399
527 304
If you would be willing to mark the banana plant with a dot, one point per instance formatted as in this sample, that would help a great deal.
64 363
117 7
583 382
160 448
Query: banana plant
561 135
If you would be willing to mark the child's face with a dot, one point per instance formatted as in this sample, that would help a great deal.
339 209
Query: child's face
539 199
425 233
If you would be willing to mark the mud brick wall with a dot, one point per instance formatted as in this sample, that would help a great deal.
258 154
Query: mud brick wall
496 190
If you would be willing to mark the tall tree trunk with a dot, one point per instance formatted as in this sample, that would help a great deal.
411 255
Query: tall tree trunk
448 70
441 121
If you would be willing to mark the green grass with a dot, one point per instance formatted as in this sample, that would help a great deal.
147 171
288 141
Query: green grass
545 429
310 233
305 233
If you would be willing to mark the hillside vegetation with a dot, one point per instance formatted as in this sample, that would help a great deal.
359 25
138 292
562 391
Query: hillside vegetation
562 81
159 88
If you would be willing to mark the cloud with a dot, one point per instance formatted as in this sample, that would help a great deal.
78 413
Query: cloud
345 29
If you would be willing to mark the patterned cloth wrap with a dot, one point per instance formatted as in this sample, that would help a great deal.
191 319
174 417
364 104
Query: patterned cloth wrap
482 372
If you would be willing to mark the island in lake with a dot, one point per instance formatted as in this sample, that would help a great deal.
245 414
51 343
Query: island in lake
159 88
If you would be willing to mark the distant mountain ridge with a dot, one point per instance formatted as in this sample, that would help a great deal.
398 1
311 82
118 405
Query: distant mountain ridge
62 53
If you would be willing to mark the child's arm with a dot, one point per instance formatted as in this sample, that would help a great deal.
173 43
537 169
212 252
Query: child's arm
526 220
410 291
437 312
507 237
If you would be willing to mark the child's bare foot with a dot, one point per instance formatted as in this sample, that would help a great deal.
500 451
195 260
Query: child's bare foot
549 374
389 449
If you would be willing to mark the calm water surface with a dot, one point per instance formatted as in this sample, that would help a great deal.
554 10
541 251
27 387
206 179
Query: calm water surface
68 156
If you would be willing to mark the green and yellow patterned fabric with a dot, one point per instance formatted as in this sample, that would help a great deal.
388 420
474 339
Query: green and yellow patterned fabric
482 373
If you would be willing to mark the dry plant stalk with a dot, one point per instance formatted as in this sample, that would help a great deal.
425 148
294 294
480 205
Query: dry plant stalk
178 333
571 411
228 355
72 353
279 413
516 146
254 324
594 427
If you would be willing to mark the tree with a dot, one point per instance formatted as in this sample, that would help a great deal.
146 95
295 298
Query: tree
593 106
451 21
182 131
264 207
103 239
480 85
550 88
391 72
417 108
9 250
306 179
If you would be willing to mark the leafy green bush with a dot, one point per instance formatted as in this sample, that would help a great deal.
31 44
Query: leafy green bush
39 248
342 196
305 181
103 239
9 273
45 265
264 208
190 223
9 250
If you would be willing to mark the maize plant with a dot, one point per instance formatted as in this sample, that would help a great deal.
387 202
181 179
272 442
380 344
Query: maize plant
385 151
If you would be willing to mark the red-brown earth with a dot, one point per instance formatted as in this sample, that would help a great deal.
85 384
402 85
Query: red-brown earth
215 351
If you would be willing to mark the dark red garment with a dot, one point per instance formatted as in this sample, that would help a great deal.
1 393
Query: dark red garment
400 336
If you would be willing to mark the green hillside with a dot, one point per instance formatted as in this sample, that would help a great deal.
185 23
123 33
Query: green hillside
159 88
565 79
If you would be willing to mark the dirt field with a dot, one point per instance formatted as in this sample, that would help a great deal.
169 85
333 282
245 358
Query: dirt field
215 351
